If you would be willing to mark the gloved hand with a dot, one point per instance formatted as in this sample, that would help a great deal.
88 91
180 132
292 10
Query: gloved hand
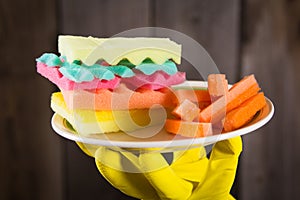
190 176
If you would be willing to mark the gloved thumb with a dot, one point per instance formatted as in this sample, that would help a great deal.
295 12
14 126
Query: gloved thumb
221 170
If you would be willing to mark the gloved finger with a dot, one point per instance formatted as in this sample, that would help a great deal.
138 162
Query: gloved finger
227 149
190 164
165 181
121 172
194 171
189 155
88 149
221 168
230 197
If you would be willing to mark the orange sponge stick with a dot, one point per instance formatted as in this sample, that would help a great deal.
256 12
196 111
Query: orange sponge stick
186 111
251 91
217 86
188 129
240 92
244 113
194 95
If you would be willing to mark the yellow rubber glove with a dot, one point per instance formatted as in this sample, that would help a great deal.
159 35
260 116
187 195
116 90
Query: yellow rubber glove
191 175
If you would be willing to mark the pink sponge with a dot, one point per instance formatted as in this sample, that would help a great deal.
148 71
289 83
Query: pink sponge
54 75
154 81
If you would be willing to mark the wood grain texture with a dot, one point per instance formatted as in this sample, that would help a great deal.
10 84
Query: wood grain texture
102 18
271 49
30 158
214 24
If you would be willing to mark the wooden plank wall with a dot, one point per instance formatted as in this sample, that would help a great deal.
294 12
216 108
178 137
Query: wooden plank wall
271 50
243 37
214 24
30 154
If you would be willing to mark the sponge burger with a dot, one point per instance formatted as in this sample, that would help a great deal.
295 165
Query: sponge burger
111 84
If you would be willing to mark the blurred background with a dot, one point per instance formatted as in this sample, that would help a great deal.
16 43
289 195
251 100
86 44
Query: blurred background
242 36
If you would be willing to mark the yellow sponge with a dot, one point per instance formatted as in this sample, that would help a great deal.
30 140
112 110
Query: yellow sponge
106 121
90 49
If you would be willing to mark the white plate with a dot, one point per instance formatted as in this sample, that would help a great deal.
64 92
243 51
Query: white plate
162 141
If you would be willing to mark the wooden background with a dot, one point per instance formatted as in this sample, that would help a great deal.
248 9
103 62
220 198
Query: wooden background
242 36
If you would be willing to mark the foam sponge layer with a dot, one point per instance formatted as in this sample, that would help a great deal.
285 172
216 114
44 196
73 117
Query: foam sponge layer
54 75
154 81
90 121
90 49
121 98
